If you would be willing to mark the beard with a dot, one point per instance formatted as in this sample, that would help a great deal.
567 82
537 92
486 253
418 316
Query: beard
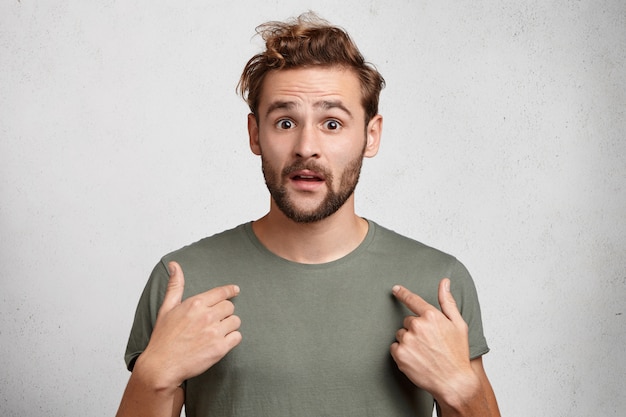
333 200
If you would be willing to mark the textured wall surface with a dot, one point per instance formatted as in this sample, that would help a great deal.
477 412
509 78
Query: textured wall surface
121 139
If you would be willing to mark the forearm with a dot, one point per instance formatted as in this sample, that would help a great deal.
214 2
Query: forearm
474 406
474 398
147 396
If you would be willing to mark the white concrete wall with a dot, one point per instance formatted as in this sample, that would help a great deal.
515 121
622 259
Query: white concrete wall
122 139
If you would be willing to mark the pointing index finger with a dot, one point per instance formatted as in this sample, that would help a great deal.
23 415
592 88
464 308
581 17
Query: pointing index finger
412 301
218 294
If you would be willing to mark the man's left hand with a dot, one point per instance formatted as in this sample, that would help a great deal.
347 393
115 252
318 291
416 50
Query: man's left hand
432 348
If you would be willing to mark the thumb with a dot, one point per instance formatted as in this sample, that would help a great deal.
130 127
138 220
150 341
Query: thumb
447 302
175 288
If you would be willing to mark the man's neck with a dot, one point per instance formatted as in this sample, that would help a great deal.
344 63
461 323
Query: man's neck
311 243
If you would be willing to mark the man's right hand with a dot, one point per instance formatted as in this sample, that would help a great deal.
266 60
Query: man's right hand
189 336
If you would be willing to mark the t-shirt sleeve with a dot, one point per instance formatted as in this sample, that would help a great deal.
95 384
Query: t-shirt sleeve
466 297
146 313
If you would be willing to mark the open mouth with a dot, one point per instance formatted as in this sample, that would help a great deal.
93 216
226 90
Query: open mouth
307 176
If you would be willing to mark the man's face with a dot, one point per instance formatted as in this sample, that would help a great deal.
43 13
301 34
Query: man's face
311 135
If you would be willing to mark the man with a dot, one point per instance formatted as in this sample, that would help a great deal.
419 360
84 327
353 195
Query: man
310 281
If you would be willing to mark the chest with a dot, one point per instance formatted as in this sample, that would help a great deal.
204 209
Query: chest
316 340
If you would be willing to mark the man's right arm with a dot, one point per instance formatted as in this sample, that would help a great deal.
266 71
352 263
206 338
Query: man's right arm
189 337
144 398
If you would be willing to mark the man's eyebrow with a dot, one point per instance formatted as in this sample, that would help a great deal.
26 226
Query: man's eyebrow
323 104
280 104
333 104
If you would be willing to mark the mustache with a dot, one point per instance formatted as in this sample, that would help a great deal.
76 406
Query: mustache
309 166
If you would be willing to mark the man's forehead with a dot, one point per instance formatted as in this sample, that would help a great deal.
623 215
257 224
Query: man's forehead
321 87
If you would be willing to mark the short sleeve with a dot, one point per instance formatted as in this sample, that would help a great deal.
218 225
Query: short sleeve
146 313
464 292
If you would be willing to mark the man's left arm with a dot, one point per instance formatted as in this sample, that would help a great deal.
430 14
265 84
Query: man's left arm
487 390
432 350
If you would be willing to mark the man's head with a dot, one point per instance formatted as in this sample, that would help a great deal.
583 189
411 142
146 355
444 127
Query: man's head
308 41
314 116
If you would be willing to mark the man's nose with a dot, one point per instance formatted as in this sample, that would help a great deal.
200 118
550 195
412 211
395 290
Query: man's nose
307 143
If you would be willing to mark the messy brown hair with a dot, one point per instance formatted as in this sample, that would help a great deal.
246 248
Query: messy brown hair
308 41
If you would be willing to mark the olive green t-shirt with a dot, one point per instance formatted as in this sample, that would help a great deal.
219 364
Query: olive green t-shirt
316 338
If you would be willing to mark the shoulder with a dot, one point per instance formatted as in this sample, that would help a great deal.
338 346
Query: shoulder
387 240
206 263
214 246
415 260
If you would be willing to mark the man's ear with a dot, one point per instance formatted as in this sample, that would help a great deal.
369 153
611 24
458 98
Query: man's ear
253 134
374 132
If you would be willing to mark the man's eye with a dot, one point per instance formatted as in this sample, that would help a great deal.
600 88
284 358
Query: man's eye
332 125
285 124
